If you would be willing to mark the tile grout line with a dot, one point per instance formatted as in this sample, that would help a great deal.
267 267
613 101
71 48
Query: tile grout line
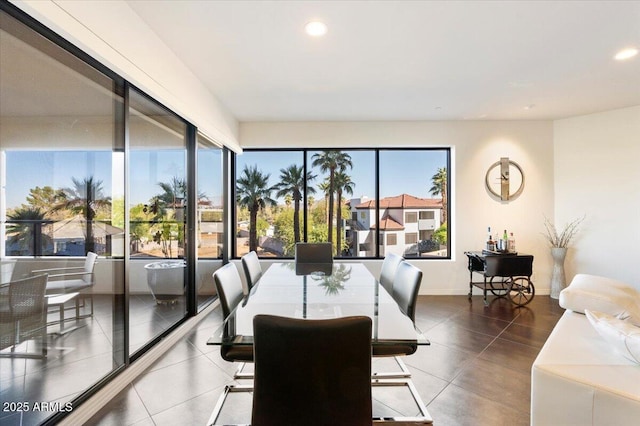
91 407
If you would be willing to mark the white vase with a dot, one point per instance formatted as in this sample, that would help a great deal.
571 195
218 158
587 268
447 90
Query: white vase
166 280
558 280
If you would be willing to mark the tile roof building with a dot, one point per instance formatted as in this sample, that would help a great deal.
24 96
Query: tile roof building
404 222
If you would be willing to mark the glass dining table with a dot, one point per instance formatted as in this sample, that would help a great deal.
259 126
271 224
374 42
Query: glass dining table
324 291
321 291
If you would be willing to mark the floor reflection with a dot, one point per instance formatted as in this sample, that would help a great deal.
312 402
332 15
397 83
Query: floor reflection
76 360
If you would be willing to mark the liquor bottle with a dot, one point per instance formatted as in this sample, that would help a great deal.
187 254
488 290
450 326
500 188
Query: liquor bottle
511 244
491 246
505 241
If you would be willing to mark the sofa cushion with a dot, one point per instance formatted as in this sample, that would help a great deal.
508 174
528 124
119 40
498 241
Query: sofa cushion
623 336
602 294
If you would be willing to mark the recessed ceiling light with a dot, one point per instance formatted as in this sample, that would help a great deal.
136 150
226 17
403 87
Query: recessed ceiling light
315 28
530 106
627 53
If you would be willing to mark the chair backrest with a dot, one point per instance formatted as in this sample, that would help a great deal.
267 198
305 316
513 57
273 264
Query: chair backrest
388 271
314 253
89 263
229 287
26 297
252 269
312 372
406 284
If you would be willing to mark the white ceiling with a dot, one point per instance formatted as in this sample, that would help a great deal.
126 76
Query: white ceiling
406 60
388 60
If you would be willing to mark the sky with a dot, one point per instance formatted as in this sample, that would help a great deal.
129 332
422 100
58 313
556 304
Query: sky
401 172
29 169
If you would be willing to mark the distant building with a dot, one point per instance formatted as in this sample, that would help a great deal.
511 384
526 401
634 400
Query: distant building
405 221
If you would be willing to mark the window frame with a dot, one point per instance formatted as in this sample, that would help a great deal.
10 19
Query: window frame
379 253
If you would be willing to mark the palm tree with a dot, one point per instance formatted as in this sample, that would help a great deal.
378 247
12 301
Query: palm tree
331 161
343 184
324 187
85 198
333 284
253 192
168 209
173 197
439 187
24 229
43 198
292 182
175 192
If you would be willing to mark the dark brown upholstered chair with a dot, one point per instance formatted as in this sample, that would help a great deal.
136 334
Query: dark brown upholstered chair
314 253
23 315
314 257
312 372
388 271
229 288
252 269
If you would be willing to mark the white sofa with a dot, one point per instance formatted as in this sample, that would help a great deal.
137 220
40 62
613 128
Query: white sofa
577 378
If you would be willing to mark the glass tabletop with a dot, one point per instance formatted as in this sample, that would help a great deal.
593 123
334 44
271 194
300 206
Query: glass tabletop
320 291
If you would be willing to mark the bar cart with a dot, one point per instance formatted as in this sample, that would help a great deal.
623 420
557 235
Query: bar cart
504 275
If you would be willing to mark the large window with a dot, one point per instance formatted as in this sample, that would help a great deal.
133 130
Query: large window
344 180
416 182
269 190
330 195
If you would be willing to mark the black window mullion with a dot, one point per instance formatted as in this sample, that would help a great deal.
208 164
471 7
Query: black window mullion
377 198
305 202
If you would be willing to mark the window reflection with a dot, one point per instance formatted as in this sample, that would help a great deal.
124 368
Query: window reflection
210 218
61 174
157 201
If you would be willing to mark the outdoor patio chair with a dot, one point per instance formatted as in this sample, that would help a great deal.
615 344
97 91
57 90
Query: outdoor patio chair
23 315
73 279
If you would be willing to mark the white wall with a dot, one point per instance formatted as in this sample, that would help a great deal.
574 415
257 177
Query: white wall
475 146
597 174
134 51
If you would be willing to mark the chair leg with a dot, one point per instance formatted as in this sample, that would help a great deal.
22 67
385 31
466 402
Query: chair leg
44 336
424 418
29 355
84 300
403 373
239 374
227 390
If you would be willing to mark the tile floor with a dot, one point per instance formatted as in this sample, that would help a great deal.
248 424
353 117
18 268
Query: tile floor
476 370
78 359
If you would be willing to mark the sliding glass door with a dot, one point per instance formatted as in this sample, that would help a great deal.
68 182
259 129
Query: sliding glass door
62 201
94 175
157 216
